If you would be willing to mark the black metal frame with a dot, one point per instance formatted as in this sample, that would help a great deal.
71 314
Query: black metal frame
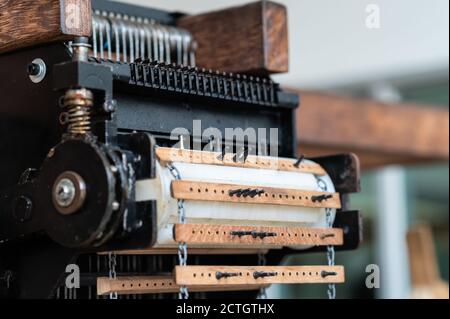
152 100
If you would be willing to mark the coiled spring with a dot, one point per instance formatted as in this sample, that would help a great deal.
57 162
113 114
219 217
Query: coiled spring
78 115
125 38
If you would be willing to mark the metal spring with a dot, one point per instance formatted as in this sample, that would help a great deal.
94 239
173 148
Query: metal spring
126 39
78 105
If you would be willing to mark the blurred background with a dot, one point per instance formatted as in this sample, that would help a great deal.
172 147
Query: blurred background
392 51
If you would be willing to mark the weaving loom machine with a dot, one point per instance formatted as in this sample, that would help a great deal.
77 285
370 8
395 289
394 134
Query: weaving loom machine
96 172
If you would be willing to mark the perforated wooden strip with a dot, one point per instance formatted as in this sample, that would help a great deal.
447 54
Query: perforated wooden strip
156 285
201 191
250 235
192 251
240 275
166 155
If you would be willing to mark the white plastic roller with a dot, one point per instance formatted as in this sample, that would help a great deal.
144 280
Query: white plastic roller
229 213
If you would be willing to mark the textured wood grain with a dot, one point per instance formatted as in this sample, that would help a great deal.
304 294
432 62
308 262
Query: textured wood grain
380 134
223 234
166 155
206 275
190 190
252 38
157 284
28 23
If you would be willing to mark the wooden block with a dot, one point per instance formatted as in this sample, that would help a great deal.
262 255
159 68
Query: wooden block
241 275
168 155
248 39
226 234
191 190
28 23
158 285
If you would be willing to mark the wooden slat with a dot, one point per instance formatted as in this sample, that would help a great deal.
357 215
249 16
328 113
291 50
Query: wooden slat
422 258
206 275
190 190
247 39
380 134
192 251
223 234
157 285
28 23
166 155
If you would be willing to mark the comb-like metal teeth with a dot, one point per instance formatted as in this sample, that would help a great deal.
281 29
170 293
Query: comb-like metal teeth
127 39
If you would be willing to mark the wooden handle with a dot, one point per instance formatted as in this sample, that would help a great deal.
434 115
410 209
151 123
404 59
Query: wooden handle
27 23
248 39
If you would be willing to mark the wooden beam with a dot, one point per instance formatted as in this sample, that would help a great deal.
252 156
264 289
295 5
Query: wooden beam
256 235
202 191
250 275
380 134
27 23
251 38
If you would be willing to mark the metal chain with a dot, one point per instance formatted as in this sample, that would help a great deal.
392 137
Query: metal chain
182 247
112 262
331 291
262 262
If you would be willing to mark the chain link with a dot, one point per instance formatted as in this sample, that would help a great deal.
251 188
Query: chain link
331 291
182 247
112 262
262 262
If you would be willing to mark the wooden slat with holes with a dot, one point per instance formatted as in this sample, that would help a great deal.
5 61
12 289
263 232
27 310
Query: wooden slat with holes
158 284
192 251
191 190
227 234
245 275
166 155
27 23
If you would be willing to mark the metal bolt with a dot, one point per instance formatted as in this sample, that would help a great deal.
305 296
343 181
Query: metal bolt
37 70
65 192
69 193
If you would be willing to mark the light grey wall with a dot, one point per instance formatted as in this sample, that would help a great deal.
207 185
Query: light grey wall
330 43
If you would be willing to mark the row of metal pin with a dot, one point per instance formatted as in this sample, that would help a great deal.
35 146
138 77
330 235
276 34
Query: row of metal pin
126 38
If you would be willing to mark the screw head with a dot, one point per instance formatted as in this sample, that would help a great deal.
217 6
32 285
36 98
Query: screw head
37 70
69 193
65 192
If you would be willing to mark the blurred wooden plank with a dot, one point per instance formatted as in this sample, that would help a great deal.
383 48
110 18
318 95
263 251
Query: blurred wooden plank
27 23
157 285
251 38
423 267
192 251
380 134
